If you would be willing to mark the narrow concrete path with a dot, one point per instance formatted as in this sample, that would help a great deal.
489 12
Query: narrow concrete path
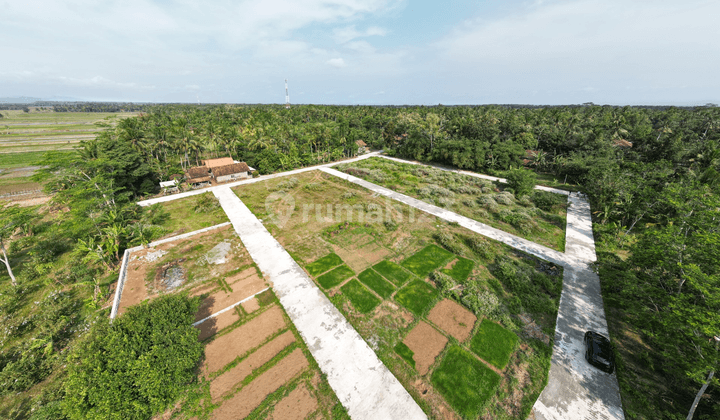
362 383
575 389
251 180
475 226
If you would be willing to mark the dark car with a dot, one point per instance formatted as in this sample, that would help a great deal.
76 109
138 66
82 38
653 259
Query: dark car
598 352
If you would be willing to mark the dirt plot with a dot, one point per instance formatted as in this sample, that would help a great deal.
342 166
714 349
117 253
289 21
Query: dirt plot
217 323
251 305
248 272
296 405
225 382
426 343
453 319
249 397
242 339
221 299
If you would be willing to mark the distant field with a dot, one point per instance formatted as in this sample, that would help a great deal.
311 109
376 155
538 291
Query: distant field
45 130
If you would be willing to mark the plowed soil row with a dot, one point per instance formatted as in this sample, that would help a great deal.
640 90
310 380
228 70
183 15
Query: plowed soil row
240 340
249 397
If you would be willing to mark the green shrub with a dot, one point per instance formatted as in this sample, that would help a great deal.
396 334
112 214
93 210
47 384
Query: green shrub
522 181
288 183
361 298
482 303
314 186
443 282
505 198
138 365
205 203
449 242
461 270
547 201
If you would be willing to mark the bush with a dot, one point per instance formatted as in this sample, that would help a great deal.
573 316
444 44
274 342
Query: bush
288 184
547 200
482 303
138 365
505 198
206 203
449 242
522 181
488 203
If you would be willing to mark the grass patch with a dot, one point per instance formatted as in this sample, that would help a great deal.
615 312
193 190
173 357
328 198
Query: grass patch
392 272
335 277
426 260
465 382
461 270
362 299
22 159
416 296
374 281
323 264
405 352
183 217
494 343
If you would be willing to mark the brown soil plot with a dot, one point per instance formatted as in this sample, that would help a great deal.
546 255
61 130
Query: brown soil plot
453 319
248 272
225 382
251 305
426 343
221 300
226 348
296 405
250 396
217 323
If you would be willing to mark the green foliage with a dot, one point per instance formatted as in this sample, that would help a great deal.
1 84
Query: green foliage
374 281
335 277
405 352
427 260
361 298
323 264
494 343
136 366
417 296
392 272
522 181
449 242
546 200
465 382
483 303
205 203
460 270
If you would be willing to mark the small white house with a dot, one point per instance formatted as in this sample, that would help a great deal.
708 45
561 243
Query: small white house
234 172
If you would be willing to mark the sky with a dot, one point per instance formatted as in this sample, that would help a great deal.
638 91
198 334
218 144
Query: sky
375 52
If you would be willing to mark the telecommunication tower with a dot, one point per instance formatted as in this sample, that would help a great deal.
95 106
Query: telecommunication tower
287 96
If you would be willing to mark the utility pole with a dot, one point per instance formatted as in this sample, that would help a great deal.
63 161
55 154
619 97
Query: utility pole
287 96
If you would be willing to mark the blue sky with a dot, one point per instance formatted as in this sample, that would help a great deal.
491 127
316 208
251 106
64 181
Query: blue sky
363 51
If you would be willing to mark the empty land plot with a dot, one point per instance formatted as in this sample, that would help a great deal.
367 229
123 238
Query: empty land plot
416 296
392 272
426 344
427 260
375 281
361 298
538 218
492 287
465 382
217 323
453 318
297 405
323 264
494 343
335 277
191 213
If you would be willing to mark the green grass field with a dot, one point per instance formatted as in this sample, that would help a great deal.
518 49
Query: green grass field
428 259
416 296
183 217
323 264
494 343
335 277
405 352
361 298
461 270
465 382
392 272
375 281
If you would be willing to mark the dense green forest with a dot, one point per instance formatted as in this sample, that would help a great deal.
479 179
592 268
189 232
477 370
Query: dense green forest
652 176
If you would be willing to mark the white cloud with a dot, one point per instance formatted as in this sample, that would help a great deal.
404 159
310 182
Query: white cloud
337 62
348 33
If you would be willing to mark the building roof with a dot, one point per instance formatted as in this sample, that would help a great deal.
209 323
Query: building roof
235 168
214 163
361 143
196 172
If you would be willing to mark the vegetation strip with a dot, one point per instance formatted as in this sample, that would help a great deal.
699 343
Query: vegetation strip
374 281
